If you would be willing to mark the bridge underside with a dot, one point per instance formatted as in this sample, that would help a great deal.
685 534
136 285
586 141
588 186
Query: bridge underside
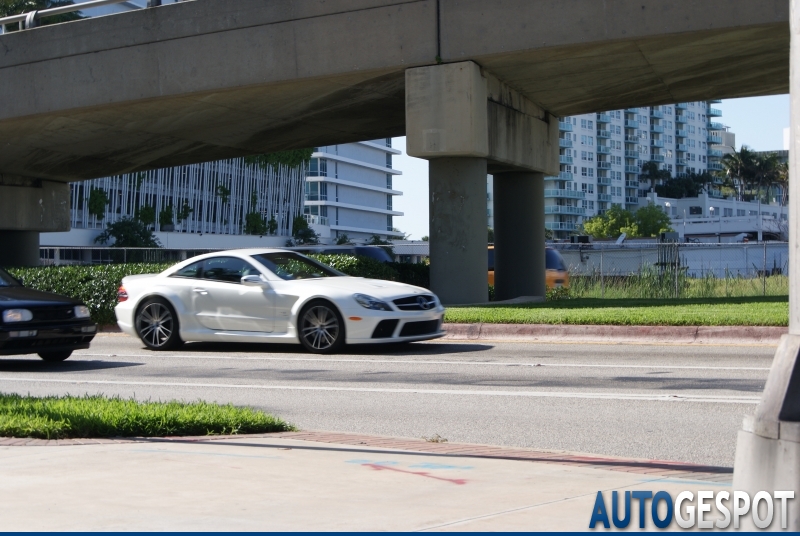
199 81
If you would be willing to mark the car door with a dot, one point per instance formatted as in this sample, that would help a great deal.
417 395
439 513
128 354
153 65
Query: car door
221 302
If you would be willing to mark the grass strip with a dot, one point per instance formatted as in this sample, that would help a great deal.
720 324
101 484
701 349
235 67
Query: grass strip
62 417
759 311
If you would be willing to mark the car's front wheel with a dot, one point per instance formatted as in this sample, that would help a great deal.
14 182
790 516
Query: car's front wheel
321 328
157 325
55 356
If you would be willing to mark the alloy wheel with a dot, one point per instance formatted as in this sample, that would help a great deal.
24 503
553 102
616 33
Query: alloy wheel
320 328
155 324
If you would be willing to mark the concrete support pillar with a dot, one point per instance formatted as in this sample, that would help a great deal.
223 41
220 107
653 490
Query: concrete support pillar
519 235
768 447
458 230
19 248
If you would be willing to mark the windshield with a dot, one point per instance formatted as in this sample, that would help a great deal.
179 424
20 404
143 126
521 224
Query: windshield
290 266
6 280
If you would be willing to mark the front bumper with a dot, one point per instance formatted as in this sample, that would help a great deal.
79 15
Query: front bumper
393 326
52 337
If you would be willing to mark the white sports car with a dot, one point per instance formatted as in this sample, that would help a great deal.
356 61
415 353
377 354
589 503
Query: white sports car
272 295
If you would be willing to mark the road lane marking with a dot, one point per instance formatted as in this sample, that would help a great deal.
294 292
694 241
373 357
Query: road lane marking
717 399
427 362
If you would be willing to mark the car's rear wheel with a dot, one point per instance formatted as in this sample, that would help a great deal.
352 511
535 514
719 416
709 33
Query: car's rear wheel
55 356
157 324
321 328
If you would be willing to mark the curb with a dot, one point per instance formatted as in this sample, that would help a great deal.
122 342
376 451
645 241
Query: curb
652 468
766 335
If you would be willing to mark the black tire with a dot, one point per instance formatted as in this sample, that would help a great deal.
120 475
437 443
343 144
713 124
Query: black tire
55 356
320 328
157 324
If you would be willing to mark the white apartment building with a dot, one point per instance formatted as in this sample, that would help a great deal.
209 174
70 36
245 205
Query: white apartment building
349 191
601 157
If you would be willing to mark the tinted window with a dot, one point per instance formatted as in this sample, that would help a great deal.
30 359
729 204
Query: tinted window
291 266
193 270
554 260
6 280
376 253
491 259
229 269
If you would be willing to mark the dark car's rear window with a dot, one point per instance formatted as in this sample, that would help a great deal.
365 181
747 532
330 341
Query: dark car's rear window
6 280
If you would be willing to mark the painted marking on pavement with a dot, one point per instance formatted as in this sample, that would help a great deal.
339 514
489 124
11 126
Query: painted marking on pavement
457 481
717 399
430 362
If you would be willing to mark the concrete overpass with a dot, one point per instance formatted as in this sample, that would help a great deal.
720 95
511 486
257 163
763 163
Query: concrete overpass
476 86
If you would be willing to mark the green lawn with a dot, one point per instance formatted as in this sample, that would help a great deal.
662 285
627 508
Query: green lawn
98 416
759 311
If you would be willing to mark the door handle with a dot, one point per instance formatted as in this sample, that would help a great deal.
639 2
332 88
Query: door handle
200 290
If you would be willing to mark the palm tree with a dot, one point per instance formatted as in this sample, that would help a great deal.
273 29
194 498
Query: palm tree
652 174
741 170
15 7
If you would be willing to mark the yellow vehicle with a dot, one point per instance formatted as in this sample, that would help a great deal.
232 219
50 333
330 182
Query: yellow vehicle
556 275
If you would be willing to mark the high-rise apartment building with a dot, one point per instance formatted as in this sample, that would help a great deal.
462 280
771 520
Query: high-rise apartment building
601 157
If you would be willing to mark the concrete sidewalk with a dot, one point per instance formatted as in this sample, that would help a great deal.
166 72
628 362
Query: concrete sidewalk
315 481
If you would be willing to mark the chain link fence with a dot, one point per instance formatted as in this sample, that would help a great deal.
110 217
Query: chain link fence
673 270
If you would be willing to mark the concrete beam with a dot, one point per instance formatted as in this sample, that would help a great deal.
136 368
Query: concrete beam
33 205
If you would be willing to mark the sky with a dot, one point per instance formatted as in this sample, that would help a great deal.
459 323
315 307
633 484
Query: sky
757 121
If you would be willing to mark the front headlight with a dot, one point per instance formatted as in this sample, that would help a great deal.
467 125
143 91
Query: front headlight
17 315
81 311
369 302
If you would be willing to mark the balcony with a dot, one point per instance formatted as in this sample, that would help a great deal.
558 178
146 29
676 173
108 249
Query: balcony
631 154
566 176
603 118
681 133
681 106
656 128
715 101
604 165
680 161
603 134
680 147
603 149
603 181
658 114
632 139
656 143
315 220
631 200
563 209
714 112
716 140
715 166
564 194
631 110
562 142
680 118
715 153
657 157
632 169
564 126
560 225
630 123
565 159
604 197
632 184
715 126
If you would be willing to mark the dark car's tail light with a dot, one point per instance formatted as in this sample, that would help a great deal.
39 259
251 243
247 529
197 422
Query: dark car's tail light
122 294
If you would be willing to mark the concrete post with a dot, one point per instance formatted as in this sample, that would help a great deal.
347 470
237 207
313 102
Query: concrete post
458 230
19 248
519 235
768 447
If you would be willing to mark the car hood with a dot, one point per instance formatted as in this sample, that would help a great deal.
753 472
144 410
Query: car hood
377 288
27 297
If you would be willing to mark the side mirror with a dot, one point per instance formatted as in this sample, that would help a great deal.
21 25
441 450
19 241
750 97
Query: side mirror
254 281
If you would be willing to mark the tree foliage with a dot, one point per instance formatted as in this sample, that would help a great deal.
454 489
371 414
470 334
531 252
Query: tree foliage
302 233
98 199
128 233
293 158
147 215
752 175
648 222
689 185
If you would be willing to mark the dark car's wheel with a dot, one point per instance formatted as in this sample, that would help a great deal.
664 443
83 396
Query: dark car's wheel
55 356
321 328
157 324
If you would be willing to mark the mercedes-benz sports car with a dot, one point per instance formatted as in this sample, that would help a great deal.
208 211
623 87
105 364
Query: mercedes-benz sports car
272 295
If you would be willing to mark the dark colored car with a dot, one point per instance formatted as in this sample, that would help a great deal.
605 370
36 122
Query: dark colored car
38 322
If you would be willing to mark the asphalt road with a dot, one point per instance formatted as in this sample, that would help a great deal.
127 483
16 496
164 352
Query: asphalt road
668 402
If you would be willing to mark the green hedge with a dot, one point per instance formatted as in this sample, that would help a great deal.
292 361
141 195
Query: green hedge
97 285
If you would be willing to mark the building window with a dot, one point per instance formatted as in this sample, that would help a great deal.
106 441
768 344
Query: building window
389 226
388 201
696 211
389 180
318 167
316 191
741 212
388 161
